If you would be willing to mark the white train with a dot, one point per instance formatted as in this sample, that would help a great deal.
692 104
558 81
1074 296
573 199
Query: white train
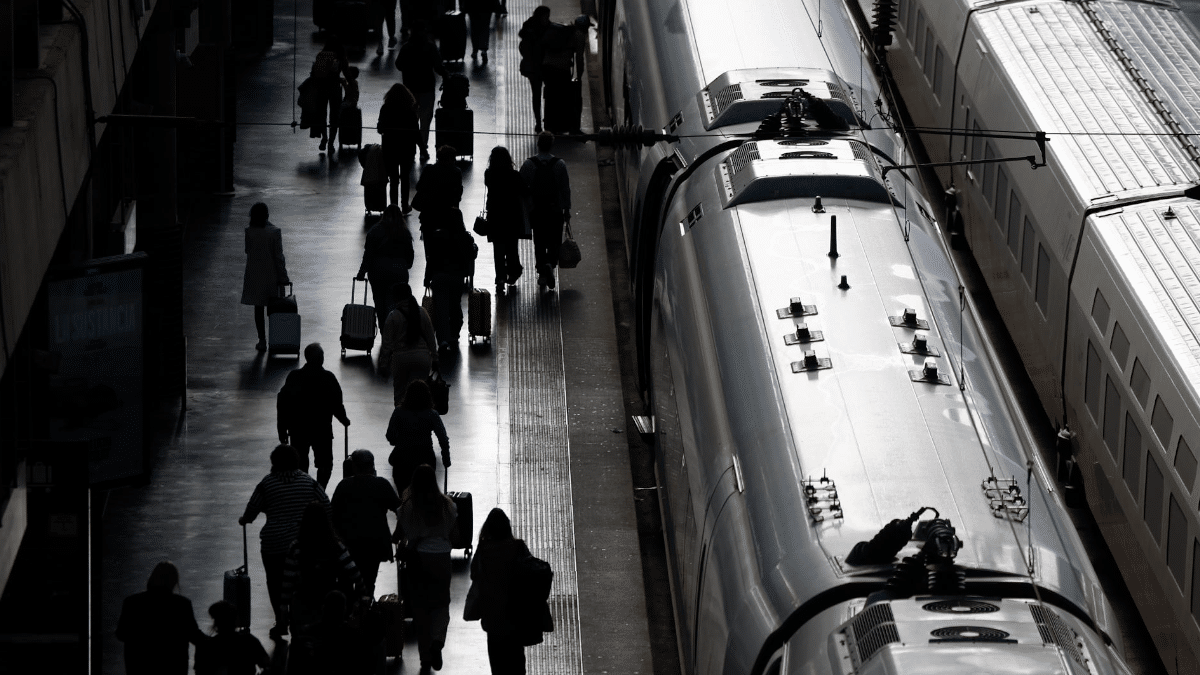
807 400
1092 260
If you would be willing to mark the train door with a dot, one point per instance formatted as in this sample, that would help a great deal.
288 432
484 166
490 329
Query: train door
711 631
643 257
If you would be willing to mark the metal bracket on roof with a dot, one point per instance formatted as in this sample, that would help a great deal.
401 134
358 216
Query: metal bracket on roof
1005 499
796 308
821 497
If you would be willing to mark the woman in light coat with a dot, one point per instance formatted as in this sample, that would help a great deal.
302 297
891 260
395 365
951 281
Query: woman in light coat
266 269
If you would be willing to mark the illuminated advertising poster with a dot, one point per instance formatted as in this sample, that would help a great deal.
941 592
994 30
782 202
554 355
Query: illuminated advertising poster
95 336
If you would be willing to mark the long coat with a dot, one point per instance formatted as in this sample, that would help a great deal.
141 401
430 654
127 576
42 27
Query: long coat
266 268
506 193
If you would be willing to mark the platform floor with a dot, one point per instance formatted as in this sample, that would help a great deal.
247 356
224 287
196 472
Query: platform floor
536 424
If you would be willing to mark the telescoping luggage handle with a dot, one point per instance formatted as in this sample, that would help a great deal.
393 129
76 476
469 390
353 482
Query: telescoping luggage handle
245 553
354 291
290 289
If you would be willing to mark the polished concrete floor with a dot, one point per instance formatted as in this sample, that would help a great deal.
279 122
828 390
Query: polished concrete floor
533 413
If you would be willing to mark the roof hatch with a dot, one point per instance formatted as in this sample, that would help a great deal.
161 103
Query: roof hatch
784 169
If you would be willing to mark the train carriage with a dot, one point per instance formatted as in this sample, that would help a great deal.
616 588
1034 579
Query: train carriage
1091 259
847 486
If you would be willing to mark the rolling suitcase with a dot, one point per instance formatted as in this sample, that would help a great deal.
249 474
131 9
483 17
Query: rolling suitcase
283 325
375 197
358 322
391 607
350 126
479 315
452 35
456 128
464 527
237 586
564 105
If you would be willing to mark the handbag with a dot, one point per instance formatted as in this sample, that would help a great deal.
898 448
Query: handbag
568 252
481 226
427 303
439 391
471 606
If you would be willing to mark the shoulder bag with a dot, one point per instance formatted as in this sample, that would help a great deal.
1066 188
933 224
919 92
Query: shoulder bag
481 226
568 252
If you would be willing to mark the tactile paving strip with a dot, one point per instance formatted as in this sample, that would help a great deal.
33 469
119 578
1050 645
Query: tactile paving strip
540 461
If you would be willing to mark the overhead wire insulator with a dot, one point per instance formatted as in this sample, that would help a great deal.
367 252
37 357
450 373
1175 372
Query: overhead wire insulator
885 20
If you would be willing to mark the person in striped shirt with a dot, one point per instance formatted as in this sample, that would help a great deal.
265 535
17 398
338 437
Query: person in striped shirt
282 495
317 562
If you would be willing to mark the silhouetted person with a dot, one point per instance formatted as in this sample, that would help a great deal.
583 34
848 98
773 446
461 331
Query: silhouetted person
549 205
400 126
409 348
531 57
230 651
309 400
426 520
326 75
333 641
507 619
385 10
283 495
440 187
480 14
450 253
317 562
506 194
360 506
157 625
409 431
419 63
266 268
387 257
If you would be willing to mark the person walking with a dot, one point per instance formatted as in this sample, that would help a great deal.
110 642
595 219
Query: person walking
450 253
316 563
387 257
282 495
309 400
409 432
266 268
427 518
409 349
509 622
400 127
326 76
532 54
549 205
230 651
506 194
440 186
332 644
480 13
385 13
360 506
419 63
157 625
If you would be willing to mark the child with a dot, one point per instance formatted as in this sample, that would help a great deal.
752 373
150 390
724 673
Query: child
229 651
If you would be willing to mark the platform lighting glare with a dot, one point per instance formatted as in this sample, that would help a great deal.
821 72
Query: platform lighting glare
682 229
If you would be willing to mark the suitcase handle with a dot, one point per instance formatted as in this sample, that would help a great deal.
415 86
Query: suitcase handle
354 289
245 552
347 437
291 290
445 479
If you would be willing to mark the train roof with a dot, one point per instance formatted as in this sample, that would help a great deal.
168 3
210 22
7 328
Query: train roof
1106 134
1158 255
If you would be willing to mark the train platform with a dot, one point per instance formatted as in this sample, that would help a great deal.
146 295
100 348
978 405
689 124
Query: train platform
537 423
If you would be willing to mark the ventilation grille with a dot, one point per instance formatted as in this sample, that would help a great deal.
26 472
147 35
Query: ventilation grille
836 91
741 158
871 630
725 98
969 634
861 153
796 141
790 84
1055 632
960 606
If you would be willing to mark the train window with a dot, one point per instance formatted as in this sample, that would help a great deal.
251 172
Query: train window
1091 386
918 34
1120 350
903 11
1112 416
1100 311
1162 422
1027 253
1139 381
1195 578
927 62
1014 223
1041 292
1131 467
989 173
1177 527
1001 195
939 64
1185 463
1153 506
908 22
976 141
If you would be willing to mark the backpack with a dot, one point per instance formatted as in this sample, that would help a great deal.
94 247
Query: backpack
455 88
544 191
